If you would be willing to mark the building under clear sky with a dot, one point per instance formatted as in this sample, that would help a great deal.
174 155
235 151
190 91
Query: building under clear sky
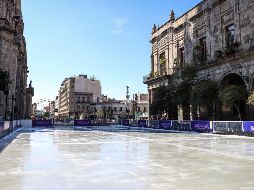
108 39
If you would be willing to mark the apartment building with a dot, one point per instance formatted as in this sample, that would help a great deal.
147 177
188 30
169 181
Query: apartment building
77 95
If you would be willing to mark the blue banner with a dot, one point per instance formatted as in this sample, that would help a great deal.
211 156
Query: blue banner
200 125
248 126
142 123
165 124
83 123
126 122
42 123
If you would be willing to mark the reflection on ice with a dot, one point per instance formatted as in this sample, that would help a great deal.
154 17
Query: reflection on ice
118 161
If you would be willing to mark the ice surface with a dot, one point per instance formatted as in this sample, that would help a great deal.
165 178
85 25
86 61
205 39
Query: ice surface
74 160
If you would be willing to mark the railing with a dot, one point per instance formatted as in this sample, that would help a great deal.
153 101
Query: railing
218 127
221 56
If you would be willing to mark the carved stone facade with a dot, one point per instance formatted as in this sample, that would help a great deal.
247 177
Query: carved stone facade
216 35
13 58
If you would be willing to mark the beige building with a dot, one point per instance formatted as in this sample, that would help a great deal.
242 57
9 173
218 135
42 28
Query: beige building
76 96
56 112
52 107
141 105
112 108
217 36
13 59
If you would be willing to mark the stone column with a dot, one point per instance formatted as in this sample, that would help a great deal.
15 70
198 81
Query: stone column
155 62
29 96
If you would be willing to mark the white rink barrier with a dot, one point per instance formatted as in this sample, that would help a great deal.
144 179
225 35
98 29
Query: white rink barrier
26 123
228 127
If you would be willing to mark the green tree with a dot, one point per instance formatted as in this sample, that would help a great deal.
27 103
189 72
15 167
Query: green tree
158 105
188 73
46 115
250 100
182 91
170 103
205 94
233 95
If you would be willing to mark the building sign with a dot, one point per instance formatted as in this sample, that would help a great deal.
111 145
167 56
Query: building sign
86 122
126 122
42 123
165 124
142 123
200 125
248 126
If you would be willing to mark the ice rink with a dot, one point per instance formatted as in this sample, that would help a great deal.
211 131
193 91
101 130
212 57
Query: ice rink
75 160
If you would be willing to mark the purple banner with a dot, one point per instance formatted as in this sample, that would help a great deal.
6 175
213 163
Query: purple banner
200 125
248 126
42 123
142 123
165 124
86 122
126 122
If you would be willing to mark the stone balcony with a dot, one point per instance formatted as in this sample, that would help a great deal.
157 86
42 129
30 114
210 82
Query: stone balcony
227 58
154 76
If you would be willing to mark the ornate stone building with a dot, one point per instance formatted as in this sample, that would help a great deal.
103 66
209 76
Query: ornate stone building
217 36
13 59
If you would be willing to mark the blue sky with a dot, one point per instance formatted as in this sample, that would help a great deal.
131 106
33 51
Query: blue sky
105 38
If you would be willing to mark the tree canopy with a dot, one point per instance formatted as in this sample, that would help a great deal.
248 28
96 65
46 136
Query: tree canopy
233 95
250 100
205 93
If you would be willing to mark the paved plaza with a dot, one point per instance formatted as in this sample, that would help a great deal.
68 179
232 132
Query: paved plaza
96 160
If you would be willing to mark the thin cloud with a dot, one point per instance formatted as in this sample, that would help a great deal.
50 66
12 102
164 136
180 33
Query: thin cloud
119 25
